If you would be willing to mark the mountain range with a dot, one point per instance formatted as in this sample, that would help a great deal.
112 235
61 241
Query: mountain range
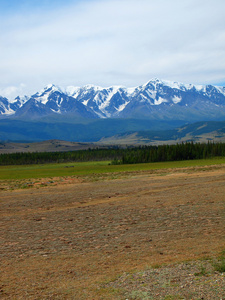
157 100
90 113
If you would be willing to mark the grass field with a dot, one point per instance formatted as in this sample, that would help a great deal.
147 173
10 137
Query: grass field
93 168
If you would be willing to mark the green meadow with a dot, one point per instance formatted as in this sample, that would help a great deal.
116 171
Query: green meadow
89 168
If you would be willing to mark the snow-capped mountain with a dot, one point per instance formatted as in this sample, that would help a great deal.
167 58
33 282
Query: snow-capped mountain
157 99
5 106
105 102
9 108
52 100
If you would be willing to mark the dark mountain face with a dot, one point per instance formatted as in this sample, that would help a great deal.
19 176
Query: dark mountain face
32 109
155 100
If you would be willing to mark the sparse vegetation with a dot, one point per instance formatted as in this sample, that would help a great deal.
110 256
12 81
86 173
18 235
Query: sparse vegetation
89 236
220 264
202 271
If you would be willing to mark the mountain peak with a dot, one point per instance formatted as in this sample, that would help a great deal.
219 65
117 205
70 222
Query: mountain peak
152 81
52 87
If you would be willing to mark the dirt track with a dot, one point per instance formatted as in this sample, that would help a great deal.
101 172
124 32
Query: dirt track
63 242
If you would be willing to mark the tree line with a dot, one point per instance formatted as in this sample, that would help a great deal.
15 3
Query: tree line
129 155
183 151
23 158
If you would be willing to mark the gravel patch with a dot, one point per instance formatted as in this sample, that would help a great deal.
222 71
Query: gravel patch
189 280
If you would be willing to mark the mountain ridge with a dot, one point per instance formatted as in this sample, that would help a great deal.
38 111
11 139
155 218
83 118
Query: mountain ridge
156 99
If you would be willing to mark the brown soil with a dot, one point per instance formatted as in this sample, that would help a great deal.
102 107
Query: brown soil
79 240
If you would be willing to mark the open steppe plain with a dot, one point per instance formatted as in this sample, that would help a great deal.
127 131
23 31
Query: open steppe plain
153 234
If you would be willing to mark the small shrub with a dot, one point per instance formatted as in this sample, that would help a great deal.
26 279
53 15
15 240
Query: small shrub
171 297
140 295
220 266
202 272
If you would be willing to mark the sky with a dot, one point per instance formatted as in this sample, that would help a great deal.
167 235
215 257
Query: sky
109 42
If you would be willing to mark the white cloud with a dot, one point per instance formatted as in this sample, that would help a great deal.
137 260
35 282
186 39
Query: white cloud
115 42
11 92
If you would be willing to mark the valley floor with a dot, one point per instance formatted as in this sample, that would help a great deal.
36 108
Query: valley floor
143 236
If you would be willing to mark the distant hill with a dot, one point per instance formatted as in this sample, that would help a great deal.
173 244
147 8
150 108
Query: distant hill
197 132
45 146
91 131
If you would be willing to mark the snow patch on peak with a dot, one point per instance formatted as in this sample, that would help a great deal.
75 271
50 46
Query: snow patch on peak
50 88
72 91
131 90
176 99
85 102
197 87
106 103
43 95
173 84
8 112
117 87
182 86
92 87
122 106
22 100
56 111
160 101
221 89
153 82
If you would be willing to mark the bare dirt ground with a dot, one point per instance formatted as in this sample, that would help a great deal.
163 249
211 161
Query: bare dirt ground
143 236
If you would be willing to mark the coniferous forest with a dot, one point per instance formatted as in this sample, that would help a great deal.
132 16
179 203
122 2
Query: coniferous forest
184 151
129 155
60 157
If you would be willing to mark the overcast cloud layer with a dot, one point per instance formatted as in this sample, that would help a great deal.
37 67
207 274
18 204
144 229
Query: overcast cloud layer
110 42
